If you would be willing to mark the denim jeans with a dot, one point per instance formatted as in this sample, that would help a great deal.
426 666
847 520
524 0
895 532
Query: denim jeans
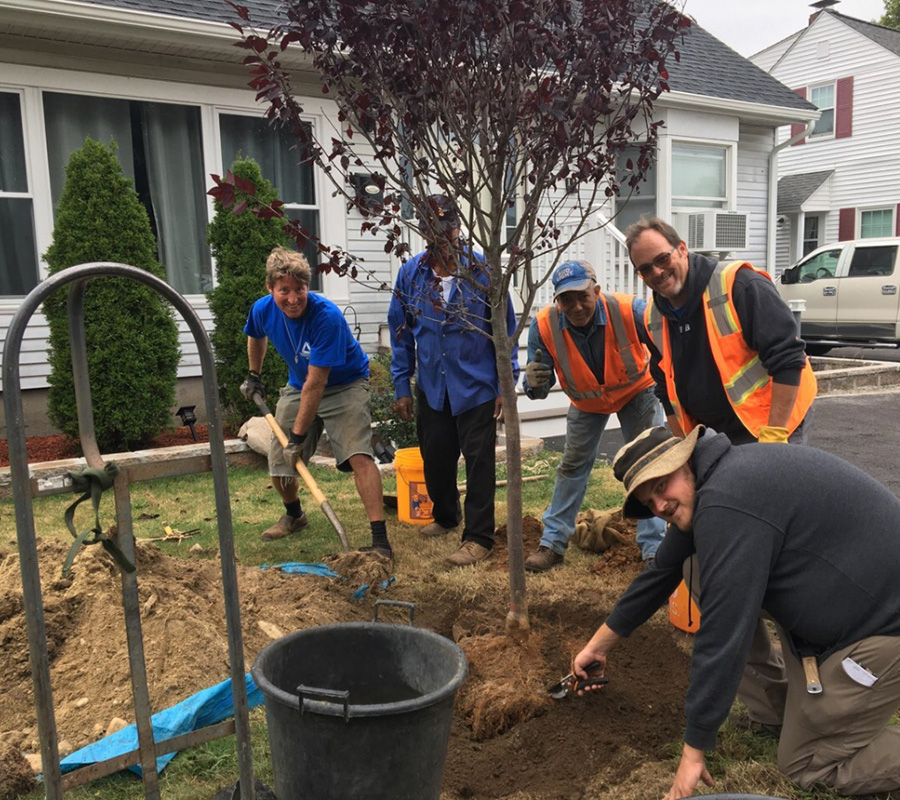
583 432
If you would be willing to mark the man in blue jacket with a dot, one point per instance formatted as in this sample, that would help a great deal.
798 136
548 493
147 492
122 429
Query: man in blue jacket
440 322
327 389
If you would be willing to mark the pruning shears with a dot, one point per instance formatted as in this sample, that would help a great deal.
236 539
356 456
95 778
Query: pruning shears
572 683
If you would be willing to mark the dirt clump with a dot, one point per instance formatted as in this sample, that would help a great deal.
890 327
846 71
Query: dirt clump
16 776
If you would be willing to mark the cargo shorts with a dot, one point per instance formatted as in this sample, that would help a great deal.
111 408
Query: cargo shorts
343 414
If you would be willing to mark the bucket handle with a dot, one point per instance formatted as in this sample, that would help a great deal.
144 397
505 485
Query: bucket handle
313 693
411 607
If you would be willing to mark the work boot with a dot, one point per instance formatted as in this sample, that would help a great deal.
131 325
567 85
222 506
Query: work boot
468 553
436 529
543 559
286 525
742 721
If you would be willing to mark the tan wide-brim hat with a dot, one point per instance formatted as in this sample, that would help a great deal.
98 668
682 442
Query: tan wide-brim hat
652 454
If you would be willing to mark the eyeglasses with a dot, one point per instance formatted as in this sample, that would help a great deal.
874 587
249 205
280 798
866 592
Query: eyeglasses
660 262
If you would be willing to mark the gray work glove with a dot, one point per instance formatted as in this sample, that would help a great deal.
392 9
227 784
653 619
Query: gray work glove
294 449
253 385
536 373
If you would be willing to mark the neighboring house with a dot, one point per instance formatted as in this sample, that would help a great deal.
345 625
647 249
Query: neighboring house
842 179
163 78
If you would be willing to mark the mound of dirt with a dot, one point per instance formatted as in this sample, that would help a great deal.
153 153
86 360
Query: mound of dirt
509 739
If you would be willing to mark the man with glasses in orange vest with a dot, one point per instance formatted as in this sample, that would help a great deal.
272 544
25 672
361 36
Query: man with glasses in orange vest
594 342
725 349
726 354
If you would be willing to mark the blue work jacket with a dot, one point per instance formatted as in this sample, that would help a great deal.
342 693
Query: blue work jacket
448 344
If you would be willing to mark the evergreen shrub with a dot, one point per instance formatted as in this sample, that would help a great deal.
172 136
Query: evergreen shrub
240 245
131 333
381 393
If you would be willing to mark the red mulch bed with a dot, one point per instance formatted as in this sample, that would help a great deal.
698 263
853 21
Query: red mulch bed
59 446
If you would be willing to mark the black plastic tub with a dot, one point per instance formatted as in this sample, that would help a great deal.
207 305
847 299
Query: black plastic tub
359 711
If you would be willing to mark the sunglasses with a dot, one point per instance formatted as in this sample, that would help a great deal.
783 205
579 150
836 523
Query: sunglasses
662 261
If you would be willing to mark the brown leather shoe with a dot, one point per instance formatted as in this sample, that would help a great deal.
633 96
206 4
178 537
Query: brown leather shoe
436 529
543 559
286 525
468 553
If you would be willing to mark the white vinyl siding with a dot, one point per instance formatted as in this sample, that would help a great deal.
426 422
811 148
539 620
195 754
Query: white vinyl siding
866 164
753 150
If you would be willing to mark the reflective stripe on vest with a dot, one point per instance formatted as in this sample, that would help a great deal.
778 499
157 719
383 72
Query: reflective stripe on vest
622 345
753 374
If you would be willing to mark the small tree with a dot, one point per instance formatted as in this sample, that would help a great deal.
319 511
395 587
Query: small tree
891 16
131 334
486 101
240 245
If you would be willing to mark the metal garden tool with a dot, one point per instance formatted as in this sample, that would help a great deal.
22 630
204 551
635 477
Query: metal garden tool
308 479
572 683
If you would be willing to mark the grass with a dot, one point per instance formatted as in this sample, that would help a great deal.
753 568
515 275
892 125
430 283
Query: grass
187 503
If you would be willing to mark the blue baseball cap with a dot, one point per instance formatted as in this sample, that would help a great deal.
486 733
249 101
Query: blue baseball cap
573 276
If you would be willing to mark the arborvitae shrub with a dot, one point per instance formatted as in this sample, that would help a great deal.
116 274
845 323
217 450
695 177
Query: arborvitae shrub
132 337
240 244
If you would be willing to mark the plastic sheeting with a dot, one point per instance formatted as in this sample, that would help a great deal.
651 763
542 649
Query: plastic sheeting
207 707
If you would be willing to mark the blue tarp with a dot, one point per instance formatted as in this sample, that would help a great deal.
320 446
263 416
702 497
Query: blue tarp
306 569
207 707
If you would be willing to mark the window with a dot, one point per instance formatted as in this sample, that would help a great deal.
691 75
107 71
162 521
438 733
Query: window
823 265
699 176
810 234
873 262
271 148
879 222
18 250
642 199
159 148
823 98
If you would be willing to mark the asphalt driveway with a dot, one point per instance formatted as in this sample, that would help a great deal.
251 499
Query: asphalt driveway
864 429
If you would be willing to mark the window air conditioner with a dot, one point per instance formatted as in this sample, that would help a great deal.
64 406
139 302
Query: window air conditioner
712 230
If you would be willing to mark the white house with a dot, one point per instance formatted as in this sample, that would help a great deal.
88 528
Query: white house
842 180
164 79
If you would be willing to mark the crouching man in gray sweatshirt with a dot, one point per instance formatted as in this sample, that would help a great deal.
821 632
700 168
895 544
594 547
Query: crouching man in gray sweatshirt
799 535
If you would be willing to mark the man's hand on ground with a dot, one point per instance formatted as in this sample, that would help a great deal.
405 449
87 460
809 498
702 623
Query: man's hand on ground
404 408
691 771
253 385
536 373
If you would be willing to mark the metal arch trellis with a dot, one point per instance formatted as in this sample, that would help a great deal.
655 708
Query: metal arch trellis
54 782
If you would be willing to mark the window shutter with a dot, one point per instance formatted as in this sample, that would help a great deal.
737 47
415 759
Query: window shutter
846 224
897 221
795 129
843 109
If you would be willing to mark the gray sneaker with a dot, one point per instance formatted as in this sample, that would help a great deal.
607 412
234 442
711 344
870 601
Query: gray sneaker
436 529
285 526
543 559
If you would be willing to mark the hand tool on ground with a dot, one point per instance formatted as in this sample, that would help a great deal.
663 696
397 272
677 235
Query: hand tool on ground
572 683
308 479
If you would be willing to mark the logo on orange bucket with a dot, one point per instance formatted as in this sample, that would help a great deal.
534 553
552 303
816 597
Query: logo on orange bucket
419 501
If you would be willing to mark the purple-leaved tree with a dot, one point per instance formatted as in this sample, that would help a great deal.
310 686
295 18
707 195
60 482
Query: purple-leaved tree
501 104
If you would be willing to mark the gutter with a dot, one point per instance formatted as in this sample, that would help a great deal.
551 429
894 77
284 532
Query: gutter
772 209
745 110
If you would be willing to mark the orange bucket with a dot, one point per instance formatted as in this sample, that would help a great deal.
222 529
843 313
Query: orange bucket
679 602
413 503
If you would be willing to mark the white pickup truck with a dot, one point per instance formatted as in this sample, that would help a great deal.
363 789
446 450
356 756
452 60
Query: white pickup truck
852 294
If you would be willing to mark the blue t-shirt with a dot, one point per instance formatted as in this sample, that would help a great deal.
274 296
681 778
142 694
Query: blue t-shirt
321 337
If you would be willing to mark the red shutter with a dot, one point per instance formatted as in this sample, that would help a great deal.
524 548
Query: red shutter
795 129
846 224
843 109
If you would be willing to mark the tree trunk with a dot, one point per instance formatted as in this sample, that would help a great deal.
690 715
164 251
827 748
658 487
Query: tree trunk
517 625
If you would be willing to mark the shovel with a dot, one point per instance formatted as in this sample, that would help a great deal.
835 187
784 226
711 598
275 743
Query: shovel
308 479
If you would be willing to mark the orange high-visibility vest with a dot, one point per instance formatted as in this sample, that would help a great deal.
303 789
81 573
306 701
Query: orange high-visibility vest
626 369
747 384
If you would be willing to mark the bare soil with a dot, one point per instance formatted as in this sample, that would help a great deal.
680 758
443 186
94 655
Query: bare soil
509 739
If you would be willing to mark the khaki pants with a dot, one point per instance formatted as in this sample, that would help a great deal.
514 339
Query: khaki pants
841 737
